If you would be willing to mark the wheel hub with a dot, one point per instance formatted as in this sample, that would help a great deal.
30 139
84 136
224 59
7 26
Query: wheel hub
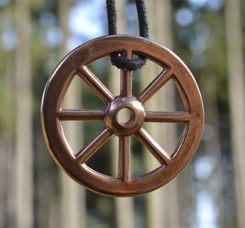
125 116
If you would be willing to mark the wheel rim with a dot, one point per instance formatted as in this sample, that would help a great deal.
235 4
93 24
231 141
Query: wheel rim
74 164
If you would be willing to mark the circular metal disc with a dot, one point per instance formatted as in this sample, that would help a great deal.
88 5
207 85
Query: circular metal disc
75 166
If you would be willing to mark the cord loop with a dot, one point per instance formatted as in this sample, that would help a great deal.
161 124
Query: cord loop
118 59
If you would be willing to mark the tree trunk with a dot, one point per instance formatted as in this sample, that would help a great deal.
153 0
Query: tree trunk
73 204
237 98
214 182
8 174
3 175
24 170
124 206
162 205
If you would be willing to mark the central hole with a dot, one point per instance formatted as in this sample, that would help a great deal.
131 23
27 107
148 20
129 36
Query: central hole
124 116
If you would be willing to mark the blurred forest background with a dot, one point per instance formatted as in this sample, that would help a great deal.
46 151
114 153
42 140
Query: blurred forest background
207 34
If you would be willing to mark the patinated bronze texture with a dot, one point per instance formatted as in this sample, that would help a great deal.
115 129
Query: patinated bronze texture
53 114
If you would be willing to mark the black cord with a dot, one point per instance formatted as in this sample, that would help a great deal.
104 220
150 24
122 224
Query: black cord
118 59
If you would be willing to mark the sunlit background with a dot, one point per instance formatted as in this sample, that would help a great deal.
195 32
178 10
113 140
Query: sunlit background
35 35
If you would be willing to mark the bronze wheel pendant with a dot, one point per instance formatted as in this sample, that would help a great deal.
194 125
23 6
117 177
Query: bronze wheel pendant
75 164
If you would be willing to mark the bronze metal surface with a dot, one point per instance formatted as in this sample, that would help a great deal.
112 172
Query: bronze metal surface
53 114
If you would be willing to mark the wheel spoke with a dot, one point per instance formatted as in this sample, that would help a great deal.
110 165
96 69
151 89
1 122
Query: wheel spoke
126 78
126 83
77 115
124 158
156 150
95 84
168 117
155 85
86 153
